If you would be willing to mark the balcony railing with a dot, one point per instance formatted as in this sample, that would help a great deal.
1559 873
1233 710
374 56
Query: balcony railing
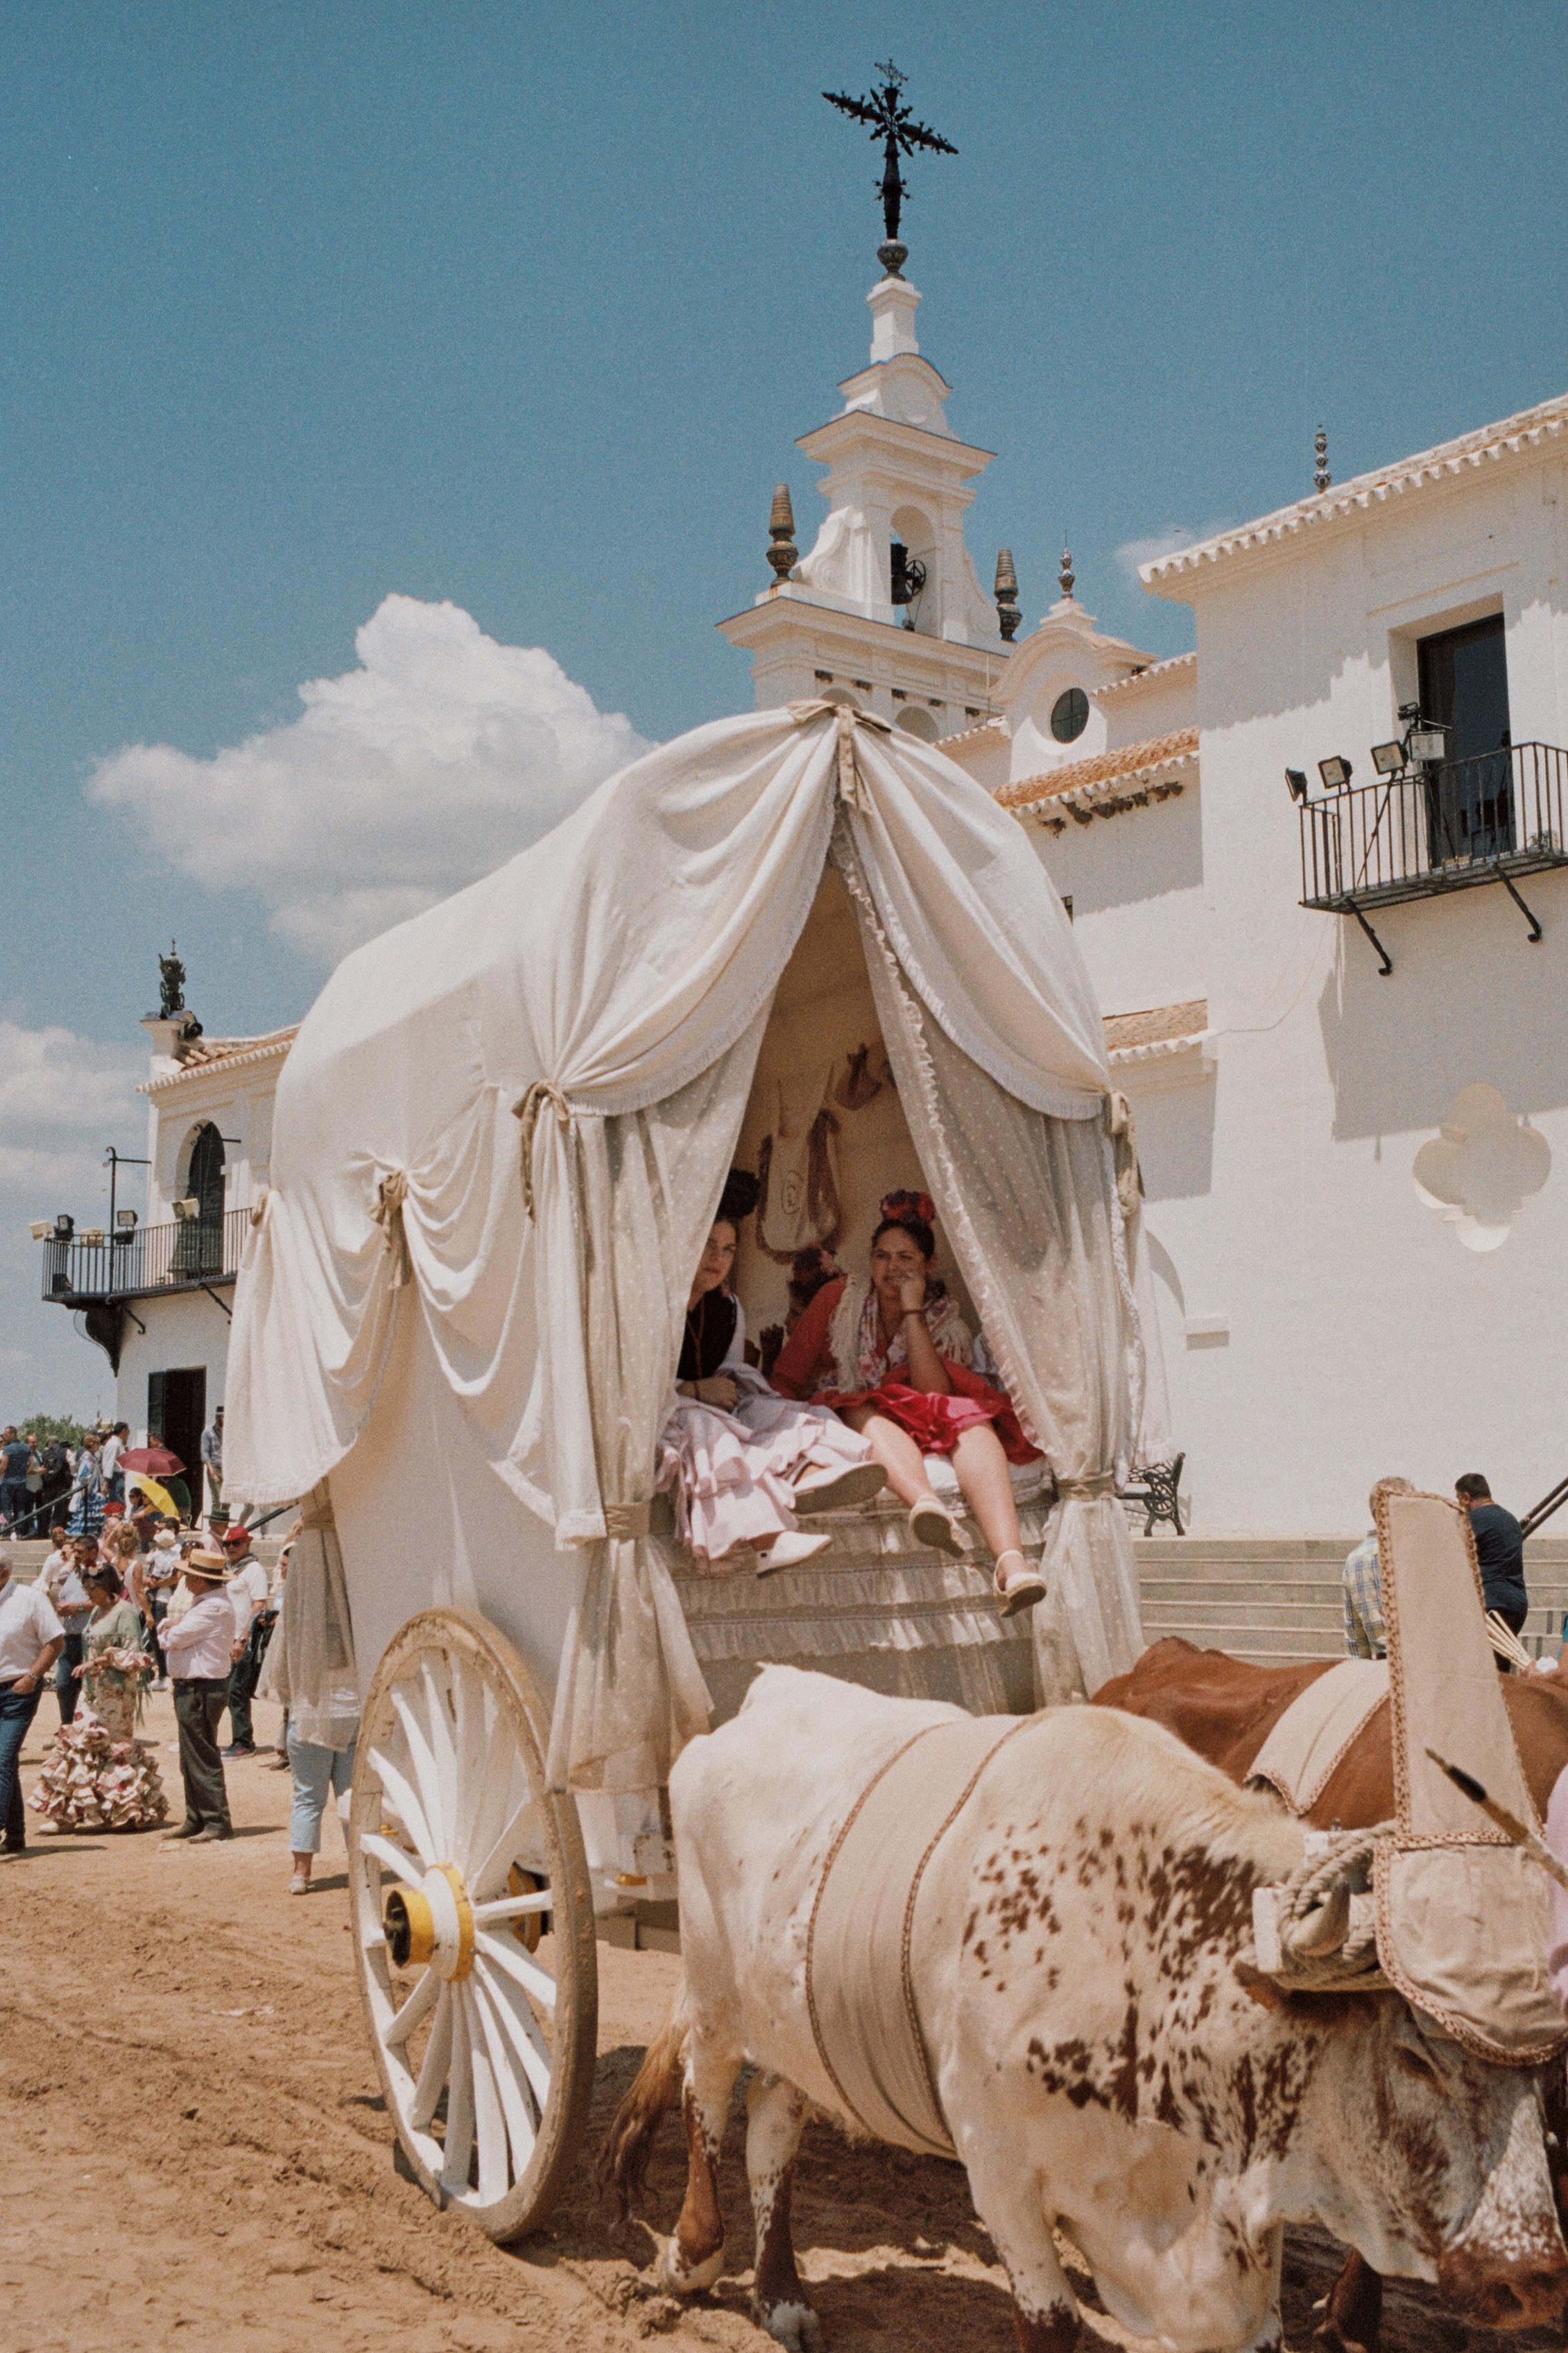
183 1256
1450 826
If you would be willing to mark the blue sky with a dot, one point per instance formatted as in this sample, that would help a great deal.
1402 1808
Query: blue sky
522 307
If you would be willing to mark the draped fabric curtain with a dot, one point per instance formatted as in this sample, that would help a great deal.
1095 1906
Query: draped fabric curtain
512 1117
1030 1205
646 1185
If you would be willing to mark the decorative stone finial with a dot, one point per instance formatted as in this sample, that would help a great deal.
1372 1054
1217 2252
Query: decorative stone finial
782 553
1321 477
171 984
1007 611
1066 575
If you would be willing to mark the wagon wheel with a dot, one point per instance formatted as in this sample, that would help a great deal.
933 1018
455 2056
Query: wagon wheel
473 1922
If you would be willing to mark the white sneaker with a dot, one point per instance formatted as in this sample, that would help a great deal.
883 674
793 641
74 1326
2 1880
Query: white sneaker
298 1885
789 1550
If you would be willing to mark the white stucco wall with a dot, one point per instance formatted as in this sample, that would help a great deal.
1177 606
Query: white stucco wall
1361 1336
1136 882
187 1329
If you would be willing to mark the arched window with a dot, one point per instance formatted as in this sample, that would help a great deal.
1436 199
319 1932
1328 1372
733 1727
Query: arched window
913 721
198 1245
914 584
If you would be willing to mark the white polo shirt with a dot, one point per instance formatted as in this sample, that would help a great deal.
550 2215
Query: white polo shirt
247 1595
27 1622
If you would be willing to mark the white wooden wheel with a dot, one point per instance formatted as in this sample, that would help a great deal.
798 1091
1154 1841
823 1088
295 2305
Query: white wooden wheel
473 1922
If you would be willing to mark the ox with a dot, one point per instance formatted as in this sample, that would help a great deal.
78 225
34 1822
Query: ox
1225 1709
1106 2057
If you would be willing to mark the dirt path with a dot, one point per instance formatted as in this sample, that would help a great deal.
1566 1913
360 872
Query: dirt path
191 2138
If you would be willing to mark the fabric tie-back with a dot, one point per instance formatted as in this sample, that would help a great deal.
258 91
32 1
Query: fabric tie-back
1124 1140
527 1110
845 719
1087 1491
622 971
390 1194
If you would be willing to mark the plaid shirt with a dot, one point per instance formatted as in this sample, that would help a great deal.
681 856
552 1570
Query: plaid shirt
1364 1634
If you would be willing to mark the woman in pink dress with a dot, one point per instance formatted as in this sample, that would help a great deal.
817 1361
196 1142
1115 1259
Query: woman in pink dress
896 1360
740 1460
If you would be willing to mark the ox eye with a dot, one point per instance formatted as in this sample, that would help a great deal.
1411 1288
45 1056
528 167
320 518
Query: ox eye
1414 2062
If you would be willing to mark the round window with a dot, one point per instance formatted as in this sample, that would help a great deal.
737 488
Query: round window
1070 715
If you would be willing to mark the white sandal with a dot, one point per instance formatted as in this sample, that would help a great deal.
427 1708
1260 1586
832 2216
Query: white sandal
1023 1588
932 1524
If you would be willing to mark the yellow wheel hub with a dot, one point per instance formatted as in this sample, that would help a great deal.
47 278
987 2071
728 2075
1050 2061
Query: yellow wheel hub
431 1924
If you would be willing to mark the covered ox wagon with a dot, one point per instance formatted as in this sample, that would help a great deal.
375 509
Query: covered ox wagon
795 939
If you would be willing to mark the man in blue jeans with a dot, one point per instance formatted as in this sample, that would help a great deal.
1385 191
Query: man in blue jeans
31 1637
15 1457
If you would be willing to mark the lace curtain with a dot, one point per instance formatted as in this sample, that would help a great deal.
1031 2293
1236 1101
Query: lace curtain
1030 1205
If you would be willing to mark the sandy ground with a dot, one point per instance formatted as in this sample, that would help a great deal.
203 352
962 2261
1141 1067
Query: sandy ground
191 2138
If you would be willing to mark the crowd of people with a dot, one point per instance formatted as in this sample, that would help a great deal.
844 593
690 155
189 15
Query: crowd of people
46 1478
138 1601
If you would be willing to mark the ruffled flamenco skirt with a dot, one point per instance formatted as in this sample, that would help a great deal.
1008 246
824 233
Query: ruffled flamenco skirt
936 1422
97 1775
731 1475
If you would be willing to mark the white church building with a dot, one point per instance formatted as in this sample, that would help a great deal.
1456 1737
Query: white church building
1351 1114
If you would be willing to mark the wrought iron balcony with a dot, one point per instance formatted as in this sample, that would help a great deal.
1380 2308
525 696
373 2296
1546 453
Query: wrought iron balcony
146 1262
1451 825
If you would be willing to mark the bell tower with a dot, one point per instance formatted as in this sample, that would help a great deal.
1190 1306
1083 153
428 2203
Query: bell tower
885 611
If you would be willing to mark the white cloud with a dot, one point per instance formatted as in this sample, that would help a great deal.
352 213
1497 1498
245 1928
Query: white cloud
62 1099
1134 552
440 756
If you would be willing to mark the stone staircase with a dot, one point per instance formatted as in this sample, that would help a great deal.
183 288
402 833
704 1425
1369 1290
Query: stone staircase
1278 1599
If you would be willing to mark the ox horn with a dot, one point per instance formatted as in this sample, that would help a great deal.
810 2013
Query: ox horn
1317 1930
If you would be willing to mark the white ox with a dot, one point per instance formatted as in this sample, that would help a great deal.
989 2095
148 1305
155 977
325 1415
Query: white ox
1106 2057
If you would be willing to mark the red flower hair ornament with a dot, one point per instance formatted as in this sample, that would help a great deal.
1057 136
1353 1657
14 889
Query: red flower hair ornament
897 1207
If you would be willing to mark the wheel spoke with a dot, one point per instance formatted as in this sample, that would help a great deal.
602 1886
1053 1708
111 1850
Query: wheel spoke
489 2123
512 1907
459 2108
424 1773
407 1807
442 1750
522 2031
499 1852
493 1802
519 2123
435 2066
391 1857
400 2026
516 1965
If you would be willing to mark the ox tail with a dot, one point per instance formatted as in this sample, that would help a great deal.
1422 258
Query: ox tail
628 2144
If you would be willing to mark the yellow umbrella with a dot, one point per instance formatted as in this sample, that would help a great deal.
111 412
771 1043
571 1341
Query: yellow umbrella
159 1497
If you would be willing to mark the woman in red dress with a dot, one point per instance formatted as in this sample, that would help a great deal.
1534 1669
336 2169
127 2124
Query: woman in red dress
895 1359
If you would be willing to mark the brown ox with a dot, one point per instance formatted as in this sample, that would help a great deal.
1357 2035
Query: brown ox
1225 1709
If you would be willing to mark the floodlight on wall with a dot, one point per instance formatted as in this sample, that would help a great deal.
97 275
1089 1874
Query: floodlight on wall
187 1211
41 1228
126 1221
1428 743
1388 758
65 1227
92 1236
1296 779
1336 773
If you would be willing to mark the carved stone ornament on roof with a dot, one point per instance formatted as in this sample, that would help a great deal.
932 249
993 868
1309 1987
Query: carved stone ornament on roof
1484 1163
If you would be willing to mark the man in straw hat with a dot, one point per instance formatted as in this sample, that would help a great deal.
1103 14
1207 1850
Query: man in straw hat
197 1647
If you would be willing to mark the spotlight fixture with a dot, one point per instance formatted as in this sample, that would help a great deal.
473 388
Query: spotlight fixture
188 1209
1296 779
41 1228
1336 773
1428 742
92 1236
65 1227
1388 758
126 1221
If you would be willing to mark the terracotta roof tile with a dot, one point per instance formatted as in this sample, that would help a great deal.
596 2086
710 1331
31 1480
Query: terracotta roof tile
1151 674
1133 764
205 1054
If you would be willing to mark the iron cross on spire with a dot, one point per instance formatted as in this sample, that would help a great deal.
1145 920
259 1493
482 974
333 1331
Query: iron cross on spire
891 121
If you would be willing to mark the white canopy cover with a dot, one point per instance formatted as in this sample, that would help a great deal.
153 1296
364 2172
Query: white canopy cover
512 1117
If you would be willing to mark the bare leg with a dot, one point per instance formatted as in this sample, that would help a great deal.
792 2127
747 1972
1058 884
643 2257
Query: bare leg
695 2257
776 2114
895 1450
988 1485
